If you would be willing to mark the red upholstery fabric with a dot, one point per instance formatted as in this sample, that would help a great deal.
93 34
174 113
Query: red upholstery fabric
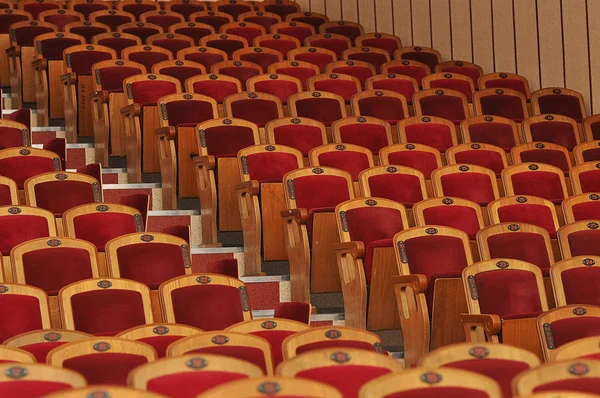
352 162
195 32
565 105
511 84
59 196
438 136
500 370
586 211
36 8
350 32
281 45
181 73
280 89
468 71
577 292
335 45
370 136
228 140
531 214
590 181
88 32
425 162
245 353
560 133
18 229
173 45
117 44
498 134
298 72
595 130
24 36
361 345
148 92
374 59
148 59
10 137
270 166
547 156
295 310
107 368
461 86
234 10
107 312
275 338
475 187
428 59
459 217
52 49
325 110
354 377
591 155
6 20
386 108
299 32
52 269
443 106
264 20
313 20
389 45
22 311
22 116
320 191
139 201
259 111
584 243
523 246
344 88
262 59
160 343
508 292
189 112
213 20
301 137
507 106
61 20
87 8
216 89
241 73
403 87
440 392
582 384
142 32
227 45
5 198
217 306
544 184
227 267
114 21
416 72
150 263
318 59
402 188
59 147
359 72
489 159
99 228
41 350
283 10
186 9
139 9
190 384
206 59
31 388
164 21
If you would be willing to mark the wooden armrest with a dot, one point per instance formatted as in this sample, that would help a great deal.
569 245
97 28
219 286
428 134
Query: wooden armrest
100 96
298 215
39 64
417 282
68 78
490 323
131 110
14 51
208 161
355 248
249 187
169 132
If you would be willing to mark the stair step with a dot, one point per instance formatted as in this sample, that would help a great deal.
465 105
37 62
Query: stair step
113 193
41 135
159 220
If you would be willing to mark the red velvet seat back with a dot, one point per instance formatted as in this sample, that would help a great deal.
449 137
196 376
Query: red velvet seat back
344 88
148 58
314 20
318 59
270 166
298 72
227 45
24 36
386 108
112 77
173 45
114 21
181 73
352 162
324 110
259 111
359 72
99 228
566 105
88 32
21 314
367 135
164 21
282 45
590 181
581 293
60 20
416 72
53 269
547 156
462 86
217 306
586 211
5 196
389 45
235 10
241 73
106 368
348 379
574 328
440 392
228 140
338 46
275 338
500 370
489 159
213 20
507 106
402 188
498 134
59 196
20 168
10 137
523 246
151 263
443 106
400 86
544 184
6 20
584 243
582 384
476 187
299 32
559 133
187 9
425 162
216 89
36 8
52 49
511 84
118 44
508 292
31 388
245 353
531 214
426 58
195 32
148 92
40 350
301 137
591 155
281 89
16 230
190 384
283 10
459 217
87 8
374 59
262 59
188 112
107 312
161 343
314 192
142 32
265 21
138 9
206 59
351 32
473 73
438 136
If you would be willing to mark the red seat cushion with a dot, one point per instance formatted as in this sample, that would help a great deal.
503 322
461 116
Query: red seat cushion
245 353
501 370
580 384
107 368
347 379
190 384
160 343
40 350
275 338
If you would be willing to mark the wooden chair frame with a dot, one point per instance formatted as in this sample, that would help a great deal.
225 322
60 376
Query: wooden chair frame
177 146
311 265
561 266
107 389
189 25
385 68
467 123
356 98
301 14
517 200
158 329
312 81
273 124
12 187
527 167
37 372
207 339
313 155
140 123
25 133
359 41
157 67
441 76
412 49
536 95
43 336
59 11
439 91
478 107
326 333
576 349
504 75
548 117
384 153
258 325
15 354
459 352
221 199
438 174
30 291
97 38
311 50
247 388
260 205
575 175
564 232
444 66
221 36
452 152
365 188
515 152
588 122
216 68
238 54
579 150
569 203
135 25
293 99
350 256
321 36
421 330
86 24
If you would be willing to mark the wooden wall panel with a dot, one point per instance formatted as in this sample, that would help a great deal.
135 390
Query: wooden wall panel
462 45
550 37
304 4
318 6
421 26
483 39
333 9
366 14
441 34
577 68
594 30
384 16
504 36
350 10
403 21
526 39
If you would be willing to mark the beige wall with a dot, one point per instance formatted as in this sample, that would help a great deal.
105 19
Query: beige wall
551 42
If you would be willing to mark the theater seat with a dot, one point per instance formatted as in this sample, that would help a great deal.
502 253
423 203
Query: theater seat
36 380
158 335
